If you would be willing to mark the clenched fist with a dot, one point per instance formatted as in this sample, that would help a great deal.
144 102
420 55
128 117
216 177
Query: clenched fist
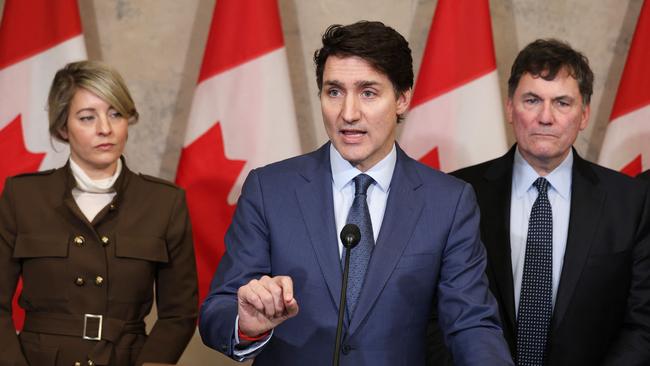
265 303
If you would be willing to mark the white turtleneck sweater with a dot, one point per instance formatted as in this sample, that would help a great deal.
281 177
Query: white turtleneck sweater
93 195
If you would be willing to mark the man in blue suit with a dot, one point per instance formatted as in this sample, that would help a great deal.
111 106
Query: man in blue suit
275 295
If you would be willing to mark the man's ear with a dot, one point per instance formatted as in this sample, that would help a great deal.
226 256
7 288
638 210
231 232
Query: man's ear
509 108
584 119
403 101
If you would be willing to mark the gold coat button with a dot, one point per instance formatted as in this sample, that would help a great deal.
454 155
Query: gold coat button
112 207
99 280
79 240
79 281
77 363
105 240
91 363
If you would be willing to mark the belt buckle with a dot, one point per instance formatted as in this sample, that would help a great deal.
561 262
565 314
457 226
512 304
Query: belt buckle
99 328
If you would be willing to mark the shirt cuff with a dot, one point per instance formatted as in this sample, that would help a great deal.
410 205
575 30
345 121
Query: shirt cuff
250 350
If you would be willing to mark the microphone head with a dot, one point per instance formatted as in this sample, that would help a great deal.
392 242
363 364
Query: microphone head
350 235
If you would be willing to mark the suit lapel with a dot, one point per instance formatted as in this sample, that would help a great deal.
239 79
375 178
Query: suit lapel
317 208
403 208
494 201
586 208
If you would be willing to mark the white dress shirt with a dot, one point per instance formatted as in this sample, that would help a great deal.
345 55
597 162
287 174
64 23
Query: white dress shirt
343 174
522 198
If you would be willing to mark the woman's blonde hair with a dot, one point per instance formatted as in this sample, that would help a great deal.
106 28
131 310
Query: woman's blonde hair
94 76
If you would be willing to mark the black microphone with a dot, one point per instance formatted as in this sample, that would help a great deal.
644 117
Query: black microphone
350 236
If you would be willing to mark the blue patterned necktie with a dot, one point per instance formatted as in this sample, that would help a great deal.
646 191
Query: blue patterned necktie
360 255
535 304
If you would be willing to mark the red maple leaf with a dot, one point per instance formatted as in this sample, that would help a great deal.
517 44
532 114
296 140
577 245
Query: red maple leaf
634 167
14 157
431 159
208 177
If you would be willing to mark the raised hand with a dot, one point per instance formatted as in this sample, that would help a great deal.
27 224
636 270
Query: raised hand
265 303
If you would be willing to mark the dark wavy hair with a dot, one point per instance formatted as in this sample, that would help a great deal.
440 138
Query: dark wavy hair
380 45
545 58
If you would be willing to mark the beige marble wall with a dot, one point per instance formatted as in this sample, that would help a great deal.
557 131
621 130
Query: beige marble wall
158 46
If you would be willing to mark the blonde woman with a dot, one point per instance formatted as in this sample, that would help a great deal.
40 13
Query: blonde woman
93 240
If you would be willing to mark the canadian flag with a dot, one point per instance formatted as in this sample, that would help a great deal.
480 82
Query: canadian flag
627 140
242 117
456 118
37 37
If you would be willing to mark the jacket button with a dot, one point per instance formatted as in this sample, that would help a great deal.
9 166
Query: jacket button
79 241
91 363
77 363
112 207
79 281
346 349
99 280
105 240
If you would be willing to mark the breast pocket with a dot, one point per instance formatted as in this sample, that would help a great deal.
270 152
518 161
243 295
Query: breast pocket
137 258
44 265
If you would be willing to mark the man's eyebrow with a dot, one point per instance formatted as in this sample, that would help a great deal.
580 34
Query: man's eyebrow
530 94
365 83
360 83
564 97
332 82
559 97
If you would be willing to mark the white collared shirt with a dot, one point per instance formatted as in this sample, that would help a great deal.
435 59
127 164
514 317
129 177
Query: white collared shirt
522 198
343 174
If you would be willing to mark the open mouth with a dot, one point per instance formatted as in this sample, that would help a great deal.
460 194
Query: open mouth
352 135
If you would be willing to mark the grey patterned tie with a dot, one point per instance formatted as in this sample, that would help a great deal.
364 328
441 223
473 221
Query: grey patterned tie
360 255
535 303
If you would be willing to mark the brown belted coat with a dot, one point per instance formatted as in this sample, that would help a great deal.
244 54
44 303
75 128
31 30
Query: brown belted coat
99 274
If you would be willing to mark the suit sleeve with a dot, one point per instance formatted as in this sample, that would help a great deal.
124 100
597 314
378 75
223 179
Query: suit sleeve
10 351
247 257
632 345
468 312
176 292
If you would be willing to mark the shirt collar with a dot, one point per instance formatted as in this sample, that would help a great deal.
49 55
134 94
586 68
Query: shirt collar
523 176
343 172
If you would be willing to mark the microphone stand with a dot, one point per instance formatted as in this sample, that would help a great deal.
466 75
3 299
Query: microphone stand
350 237
342 306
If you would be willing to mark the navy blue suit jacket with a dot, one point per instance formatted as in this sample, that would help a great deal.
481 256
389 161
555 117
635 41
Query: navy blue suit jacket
428 247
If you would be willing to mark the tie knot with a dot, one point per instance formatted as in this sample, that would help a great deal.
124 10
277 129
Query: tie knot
361 184
542 185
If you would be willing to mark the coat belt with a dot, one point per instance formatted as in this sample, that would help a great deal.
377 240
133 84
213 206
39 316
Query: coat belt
76 325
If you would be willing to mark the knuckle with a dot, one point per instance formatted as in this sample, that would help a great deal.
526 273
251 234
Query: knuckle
275 291
266 297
